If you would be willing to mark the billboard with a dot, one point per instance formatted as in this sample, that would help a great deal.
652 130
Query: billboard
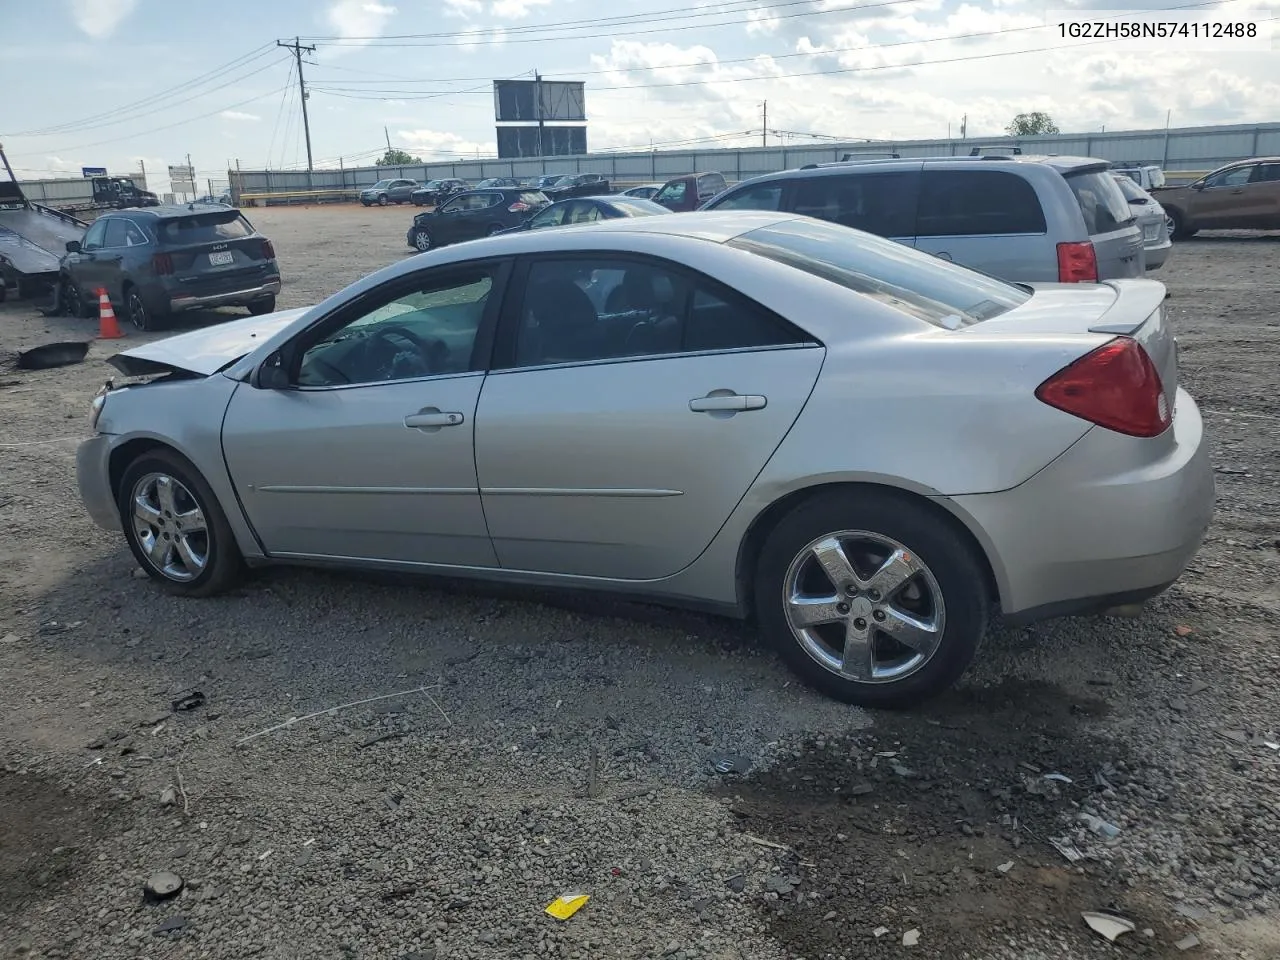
517 101
90 172
548 141
182 173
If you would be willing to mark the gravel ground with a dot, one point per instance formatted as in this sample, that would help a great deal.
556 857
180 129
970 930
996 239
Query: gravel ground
529 745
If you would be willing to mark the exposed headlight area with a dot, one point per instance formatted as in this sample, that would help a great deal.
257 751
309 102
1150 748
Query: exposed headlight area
97 404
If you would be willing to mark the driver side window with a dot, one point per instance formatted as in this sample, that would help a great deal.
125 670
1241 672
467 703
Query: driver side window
420 331
94 235
1230 178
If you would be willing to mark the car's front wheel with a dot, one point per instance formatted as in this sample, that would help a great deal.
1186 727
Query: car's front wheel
382 200
136 309
175 527
72 300
422 239
871 598
1177 224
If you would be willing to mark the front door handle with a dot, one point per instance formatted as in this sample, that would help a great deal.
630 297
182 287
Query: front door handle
431 419
726 401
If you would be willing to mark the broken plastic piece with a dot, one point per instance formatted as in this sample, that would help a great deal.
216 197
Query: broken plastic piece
731 763
565 906
1108 925
1058 777
879 932
1100 826
1068 849
1005 867
1187 942
911 938
189 701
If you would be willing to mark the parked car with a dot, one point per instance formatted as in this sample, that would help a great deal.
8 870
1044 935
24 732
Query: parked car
1018 447
589 210
690 192
1240 196
1023 218
476 213
388 191
498 182
158 261
577 185
1149 177
1152 220
545 181
435 192
645 191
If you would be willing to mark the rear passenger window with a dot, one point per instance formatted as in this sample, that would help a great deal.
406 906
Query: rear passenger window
960 203
879 203
764 197
586 309
1102 204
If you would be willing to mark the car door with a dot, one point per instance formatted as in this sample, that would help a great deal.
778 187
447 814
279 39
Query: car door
1227 199
615 443
401 189
990 220
110 259
85 268
368 452
448 225
1267 183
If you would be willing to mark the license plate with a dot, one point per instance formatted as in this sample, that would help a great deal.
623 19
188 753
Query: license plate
221 259
1149 232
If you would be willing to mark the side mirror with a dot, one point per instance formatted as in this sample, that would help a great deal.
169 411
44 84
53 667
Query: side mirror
272 375
73 246
1198 186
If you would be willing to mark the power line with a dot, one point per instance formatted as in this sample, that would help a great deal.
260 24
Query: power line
279 113
95 119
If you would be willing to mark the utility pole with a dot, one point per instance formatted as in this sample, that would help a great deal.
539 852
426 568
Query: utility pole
388 136
964 125
297 49
764 124
537 108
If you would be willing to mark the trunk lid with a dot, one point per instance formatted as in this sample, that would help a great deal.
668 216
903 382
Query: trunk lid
1128 308
203 352
217 242
1113 229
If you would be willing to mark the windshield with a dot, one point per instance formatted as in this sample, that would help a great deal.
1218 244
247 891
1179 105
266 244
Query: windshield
567 180
637 206
911 282
1104 207
431 185
1130 189
381 183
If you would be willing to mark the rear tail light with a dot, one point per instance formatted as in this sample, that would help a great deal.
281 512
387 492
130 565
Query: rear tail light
162 264
268 251
518 207
1115 386
1077 263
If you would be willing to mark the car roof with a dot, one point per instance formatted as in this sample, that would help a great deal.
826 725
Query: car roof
169 211
1063 164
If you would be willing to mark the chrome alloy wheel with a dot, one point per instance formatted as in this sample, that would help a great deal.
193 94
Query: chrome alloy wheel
170 527
864 606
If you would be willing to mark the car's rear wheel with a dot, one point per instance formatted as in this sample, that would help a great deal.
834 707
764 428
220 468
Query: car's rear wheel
266 304
137 312
422 239
871 598
1177 225
175 527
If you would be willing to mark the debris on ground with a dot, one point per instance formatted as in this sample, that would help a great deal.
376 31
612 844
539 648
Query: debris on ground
1006 866
731 763
879 932
1068 849
168 797
1099 826
1187 942
171 925
566 905
163 885
911 938
189 701
1108 925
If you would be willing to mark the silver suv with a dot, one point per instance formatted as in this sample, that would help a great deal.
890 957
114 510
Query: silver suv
1022 218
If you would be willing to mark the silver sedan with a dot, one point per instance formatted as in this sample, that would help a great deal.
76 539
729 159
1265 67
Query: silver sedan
863 447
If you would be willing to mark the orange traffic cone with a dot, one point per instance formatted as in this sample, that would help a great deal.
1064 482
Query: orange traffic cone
108 328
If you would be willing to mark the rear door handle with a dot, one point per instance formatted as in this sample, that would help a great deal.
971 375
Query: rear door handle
431 419
726 401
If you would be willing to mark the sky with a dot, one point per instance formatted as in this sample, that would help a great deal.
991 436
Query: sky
119 83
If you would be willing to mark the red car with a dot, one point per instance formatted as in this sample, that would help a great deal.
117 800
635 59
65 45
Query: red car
690 191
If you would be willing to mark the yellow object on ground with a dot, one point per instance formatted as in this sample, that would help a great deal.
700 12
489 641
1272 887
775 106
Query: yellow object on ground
564 907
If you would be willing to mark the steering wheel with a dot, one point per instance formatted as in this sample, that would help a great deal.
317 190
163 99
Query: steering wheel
433 352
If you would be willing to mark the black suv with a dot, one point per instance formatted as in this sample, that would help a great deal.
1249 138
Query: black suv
158 261
435 192
578 185
476 213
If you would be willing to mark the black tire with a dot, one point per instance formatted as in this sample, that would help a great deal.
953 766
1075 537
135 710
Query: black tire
263 305
223 563
382 199
135 309
72 300
364 203
422 241
945 554
1178 229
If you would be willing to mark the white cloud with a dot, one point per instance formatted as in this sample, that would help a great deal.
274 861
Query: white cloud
463 8
476 37
432 145
515 9
99 18
760 20
359 18
238 115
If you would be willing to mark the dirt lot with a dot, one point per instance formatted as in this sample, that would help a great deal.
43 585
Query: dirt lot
441 821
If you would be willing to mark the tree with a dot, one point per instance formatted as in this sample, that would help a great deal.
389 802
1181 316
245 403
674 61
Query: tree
397 158
1031 125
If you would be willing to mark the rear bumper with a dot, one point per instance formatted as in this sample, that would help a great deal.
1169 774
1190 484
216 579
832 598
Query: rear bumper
1157 253
232 298
1104 524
